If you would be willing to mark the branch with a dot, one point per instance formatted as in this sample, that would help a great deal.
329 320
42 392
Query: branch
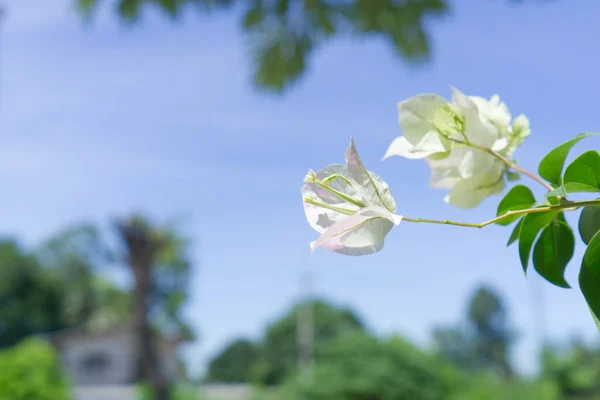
567 206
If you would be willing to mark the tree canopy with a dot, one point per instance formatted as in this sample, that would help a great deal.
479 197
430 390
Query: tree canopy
275 357
283 35
234 363
360 366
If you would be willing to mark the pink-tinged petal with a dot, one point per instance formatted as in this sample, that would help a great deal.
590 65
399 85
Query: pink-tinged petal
360 234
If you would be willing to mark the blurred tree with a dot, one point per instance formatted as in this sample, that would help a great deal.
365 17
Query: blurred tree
492 334
361 367
453 344
283 34
112 305
278 351
56 287
71 256
575 369
157 258
484 344
31 301
234 363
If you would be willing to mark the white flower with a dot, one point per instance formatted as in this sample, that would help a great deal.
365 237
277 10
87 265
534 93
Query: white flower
495 112
465 192
352 208
450 135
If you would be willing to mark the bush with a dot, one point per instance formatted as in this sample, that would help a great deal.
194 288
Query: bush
489 388
32 371
360 367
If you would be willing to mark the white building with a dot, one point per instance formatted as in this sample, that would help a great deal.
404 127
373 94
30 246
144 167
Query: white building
108 357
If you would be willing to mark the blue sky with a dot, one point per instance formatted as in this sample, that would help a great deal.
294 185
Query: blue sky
102 120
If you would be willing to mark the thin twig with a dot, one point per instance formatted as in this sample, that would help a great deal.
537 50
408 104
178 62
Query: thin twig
567 206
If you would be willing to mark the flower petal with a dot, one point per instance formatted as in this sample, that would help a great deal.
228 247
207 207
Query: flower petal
469 193
500 144
430 144
359 234
371 187
477 130
416 115
494 111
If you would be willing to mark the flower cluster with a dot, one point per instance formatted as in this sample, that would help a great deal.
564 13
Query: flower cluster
469 143
466 141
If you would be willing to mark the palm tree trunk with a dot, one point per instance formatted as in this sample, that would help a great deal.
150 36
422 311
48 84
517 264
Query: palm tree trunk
149 359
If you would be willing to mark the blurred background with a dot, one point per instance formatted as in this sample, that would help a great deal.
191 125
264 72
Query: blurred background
154 244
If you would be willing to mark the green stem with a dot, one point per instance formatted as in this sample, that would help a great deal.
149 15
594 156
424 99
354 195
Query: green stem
310 200
567 206
344 196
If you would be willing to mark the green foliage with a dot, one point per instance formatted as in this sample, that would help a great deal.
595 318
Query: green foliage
275 357
488 388
575 370
553 251
582 175
530 228
71 256
514 236
278 351
589 229
555 246
519 197
31 300
32 371
362 367
551 166
589 283
234 364
589 223
591 256
283 34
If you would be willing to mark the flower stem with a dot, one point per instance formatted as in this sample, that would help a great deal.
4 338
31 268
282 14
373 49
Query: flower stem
341 210
574 205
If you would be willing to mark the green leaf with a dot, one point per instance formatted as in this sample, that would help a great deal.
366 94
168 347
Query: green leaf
589 223
552 164
530 228
589 284
592 255
553 251
596 320
253 17
583 174
514 236
558 192
517 198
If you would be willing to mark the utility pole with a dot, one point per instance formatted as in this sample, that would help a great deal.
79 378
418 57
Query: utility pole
305 333
539 312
